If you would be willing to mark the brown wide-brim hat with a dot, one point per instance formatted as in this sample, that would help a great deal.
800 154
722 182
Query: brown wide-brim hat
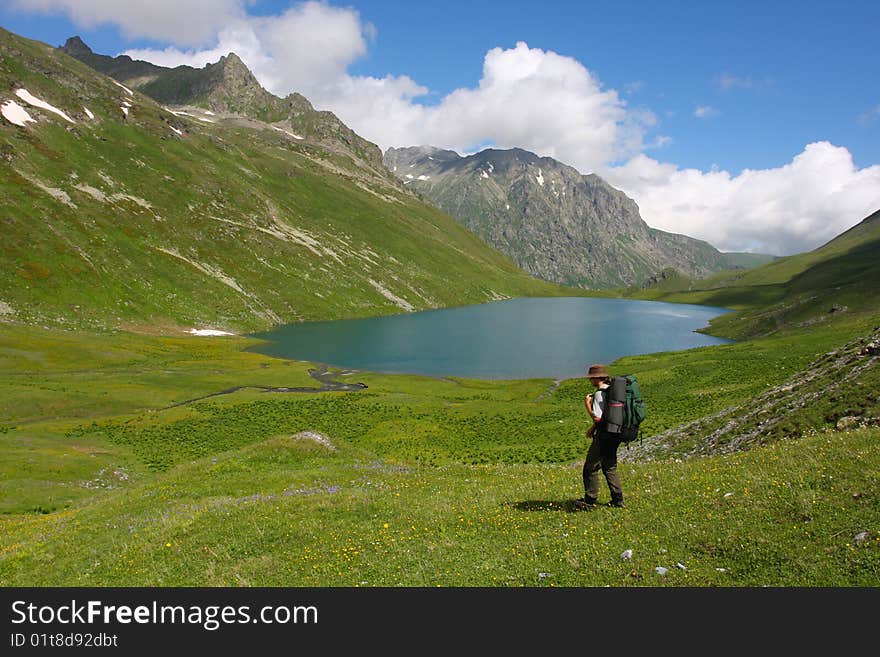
597 372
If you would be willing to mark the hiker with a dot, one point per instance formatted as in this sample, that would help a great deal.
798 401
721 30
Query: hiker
602 453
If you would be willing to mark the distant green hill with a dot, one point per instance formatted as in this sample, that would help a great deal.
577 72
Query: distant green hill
124 213
747 260
838 277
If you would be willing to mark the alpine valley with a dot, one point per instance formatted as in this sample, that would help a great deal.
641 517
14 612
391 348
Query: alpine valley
139 204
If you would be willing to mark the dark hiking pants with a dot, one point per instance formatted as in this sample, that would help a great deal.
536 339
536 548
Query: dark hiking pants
602 455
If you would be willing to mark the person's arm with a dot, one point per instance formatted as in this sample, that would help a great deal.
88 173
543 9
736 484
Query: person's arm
595 406
591 408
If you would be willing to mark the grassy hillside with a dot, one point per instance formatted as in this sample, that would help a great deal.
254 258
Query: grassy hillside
790 292
452 482
746 260
142 217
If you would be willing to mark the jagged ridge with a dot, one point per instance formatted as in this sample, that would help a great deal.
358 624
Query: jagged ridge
228 86
554 222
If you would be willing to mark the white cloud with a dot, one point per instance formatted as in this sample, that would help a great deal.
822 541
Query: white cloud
237 38
705 111
789 209
527 97
305 49
186 23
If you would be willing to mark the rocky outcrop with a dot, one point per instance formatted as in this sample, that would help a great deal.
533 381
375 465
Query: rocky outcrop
552 221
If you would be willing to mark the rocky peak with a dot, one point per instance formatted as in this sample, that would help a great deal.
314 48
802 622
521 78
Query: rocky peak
232 77
298 104
76 47
552 221
600 190
122 68
235 69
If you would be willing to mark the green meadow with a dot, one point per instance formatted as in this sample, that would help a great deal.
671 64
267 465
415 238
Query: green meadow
111 475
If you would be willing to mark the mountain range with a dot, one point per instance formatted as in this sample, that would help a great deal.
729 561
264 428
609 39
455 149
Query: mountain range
578 230
120 211
327 188
211 202
555 223
228 87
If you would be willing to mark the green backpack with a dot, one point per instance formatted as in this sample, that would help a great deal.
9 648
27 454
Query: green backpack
625 408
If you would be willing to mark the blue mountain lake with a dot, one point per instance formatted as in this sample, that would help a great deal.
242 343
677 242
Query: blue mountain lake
515 339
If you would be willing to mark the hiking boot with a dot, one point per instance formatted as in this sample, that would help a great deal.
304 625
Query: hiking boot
584 505
618 504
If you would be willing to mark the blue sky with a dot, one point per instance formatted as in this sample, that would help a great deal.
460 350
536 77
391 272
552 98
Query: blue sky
796 72
807 70
691 88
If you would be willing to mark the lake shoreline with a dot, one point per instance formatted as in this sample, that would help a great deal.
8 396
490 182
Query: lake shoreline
525 338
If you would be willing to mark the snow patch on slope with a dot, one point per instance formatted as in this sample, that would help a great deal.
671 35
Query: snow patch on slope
192 116
127 90
286 132
15 113
30 99
208 332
